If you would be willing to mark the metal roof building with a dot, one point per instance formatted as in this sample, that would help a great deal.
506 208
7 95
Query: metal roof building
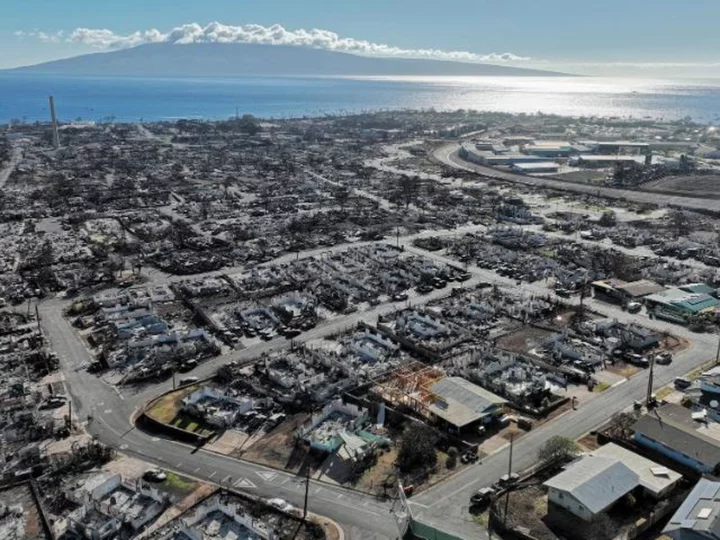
591 486
671 431
698 517
681 302
654 478
540 167
460 403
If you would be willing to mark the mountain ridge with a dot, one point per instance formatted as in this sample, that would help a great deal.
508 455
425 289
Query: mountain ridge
237 59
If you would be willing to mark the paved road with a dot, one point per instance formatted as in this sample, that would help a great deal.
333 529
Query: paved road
448 502
448 154
362 517
112 410
10 167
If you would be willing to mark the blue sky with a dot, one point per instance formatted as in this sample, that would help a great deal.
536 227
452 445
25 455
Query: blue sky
607 37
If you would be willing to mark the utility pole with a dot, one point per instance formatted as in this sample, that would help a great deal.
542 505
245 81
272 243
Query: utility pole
307 491
53 118
507 493
37 318
650 381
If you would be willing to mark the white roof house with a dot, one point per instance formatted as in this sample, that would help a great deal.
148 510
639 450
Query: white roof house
654 478
460 402
591 486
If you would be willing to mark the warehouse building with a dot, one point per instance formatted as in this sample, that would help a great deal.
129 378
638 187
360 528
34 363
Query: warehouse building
542 167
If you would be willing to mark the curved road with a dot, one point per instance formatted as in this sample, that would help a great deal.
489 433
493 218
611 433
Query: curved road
361 516
448 154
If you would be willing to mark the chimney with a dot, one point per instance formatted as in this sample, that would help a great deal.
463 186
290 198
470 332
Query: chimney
55 136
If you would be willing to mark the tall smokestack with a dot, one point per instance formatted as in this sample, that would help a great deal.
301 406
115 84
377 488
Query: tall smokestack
55 136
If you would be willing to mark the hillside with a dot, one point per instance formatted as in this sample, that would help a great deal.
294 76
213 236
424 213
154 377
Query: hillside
227 60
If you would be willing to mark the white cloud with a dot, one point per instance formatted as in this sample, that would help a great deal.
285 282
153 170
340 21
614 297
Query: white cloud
255 33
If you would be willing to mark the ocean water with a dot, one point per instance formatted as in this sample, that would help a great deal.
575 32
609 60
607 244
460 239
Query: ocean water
130 99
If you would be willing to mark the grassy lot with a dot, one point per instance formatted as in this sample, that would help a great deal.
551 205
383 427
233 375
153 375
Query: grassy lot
601 387
167 410
178 486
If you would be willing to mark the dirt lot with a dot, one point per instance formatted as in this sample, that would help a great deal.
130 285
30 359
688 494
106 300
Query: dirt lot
277 449
583 177
523 340
708 185
527 508
31 525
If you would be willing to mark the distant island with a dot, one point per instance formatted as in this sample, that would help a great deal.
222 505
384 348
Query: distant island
227 60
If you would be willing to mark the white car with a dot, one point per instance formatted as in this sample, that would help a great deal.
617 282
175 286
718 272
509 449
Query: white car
281 504
155 475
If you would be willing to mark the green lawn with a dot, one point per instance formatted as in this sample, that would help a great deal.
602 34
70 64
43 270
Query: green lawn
178 486
601 387
167 410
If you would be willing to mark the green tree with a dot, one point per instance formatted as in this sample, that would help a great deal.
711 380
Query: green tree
417 448
558 449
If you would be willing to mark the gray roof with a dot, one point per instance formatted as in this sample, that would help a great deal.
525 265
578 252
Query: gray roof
596 482
698 515
673 426
653 477
643 287
462 402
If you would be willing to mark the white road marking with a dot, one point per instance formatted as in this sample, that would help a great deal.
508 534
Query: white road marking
266 475
244 483
212 474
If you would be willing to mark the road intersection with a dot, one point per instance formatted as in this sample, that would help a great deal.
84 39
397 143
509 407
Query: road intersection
362 516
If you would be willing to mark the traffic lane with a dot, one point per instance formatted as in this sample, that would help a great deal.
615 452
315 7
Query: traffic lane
141 394
572 424
347 507
449 155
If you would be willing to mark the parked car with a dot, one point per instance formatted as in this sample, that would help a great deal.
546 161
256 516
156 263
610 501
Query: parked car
188 365
281 504
482 496
664 358
681 383
634 307
155 475
188 380
469 457
637 360
507 480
